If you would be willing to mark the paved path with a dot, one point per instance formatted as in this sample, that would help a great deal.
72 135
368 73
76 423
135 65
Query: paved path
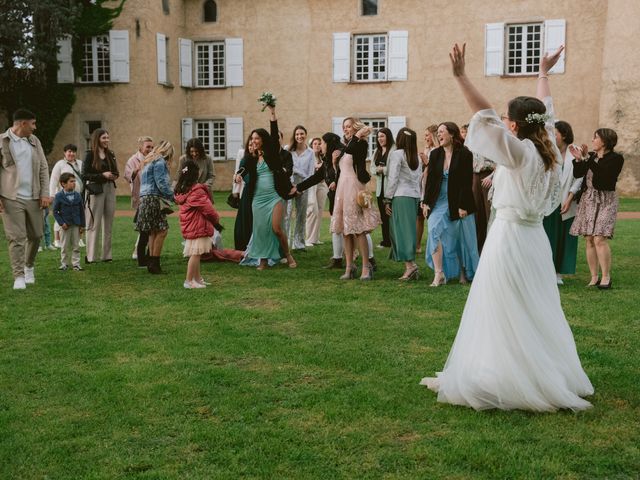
232 214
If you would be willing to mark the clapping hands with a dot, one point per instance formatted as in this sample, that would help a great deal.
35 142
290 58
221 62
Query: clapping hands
579 153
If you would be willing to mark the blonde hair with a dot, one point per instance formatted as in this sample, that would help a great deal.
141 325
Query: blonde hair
355 121
142 140
433 129
163 150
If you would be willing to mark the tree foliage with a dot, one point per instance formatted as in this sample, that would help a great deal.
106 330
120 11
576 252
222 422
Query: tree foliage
29 32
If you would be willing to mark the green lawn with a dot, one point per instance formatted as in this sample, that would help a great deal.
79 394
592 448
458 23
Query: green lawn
113 373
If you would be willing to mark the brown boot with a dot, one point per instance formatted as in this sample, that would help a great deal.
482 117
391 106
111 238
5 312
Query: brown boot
334 263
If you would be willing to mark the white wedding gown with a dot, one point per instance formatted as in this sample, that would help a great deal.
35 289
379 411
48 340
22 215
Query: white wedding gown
514 348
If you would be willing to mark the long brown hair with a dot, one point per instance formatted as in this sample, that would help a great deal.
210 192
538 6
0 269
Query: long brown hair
95 151
377 155
454 131
293 144
408 142
518 110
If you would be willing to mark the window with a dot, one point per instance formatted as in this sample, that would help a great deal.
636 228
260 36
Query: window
524 48
370 58
89 127
165 7
375 124
213 134
369 7
210 64
515 49
95 60
210 11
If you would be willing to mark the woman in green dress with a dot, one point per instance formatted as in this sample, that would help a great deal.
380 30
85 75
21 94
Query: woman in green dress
402 197
269 185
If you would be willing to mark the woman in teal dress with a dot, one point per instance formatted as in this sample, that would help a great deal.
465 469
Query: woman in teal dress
268 185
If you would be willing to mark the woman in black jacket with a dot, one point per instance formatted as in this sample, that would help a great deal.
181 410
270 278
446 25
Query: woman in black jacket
449 206
598 207
350 219
99 173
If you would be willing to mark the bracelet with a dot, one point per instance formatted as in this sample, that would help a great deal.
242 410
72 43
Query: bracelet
543 76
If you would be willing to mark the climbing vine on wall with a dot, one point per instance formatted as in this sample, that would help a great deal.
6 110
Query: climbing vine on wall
29 34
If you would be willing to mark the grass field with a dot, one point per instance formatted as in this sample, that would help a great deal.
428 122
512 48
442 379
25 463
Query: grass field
113 373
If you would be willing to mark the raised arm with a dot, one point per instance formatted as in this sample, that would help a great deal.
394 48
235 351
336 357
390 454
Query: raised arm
546 63
471 94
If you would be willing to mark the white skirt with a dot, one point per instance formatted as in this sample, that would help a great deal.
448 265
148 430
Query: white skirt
197 246
514 348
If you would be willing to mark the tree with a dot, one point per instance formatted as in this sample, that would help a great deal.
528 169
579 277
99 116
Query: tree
29 34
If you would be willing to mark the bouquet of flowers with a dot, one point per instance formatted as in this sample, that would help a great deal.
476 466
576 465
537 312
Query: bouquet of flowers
267 99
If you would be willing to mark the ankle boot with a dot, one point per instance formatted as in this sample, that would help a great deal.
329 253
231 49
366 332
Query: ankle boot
153 265
334 263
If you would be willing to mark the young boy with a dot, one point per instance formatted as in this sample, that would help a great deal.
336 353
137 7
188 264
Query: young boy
68 210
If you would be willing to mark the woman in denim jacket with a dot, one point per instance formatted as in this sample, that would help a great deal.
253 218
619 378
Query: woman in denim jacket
155 189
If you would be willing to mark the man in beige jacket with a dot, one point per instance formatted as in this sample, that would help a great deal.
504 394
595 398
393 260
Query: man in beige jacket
24 192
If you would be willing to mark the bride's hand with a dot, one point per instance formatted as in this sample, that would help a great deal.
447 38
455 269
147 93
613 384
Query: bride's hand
457 59
549 60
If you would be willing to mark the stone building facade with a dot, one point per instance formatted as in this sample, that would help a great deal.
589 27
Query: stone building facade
174 69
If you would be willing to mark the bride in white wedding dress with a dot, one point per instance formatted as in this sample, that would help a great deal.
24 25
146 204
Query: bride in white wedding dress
514 348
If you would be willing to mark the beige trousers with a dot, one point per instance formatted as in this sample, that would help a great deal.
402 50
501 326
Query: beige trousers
317 199
100 211
70 246
23 228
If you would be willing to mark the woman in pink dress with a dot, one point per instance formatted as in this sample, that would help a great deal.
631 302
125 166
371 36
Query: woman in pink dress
350 219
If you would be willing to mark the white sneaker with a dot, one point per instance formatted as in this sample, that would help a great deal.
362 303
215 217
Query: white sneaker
29 275
39 249
51 247
134 256
56 244
81 243
190 285
19 283
559 280
202 281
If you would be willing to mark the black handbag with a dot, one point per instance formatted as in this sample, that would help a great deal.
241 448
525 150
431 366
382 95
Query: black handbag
233 201
165 206
94 188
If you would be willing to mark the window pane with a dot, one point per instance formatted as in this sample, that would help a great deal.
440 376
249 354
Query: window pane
203 132
370 57
102 50
376 124
369 7
87 60
218 147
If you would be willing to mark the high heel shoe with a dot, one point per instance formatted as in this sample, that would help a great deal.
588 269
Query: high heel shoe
605 286
411 275
369 276
597 284
350 275
438 279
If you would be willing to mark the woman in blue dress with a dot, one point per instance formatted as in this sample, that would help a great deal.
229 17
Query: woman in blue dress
448 204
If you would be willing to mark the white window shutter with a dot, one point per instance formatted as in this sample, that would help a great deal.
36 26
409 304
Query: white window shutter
65 64
186 62
336 125
341 56
395 124
494 49
235 140
554 36
161 51
233 52
398 54
119 55
187 132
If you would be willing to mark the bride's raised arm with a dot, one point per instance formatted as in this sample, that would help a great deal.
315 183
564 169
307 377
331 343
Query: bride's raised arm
473 96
